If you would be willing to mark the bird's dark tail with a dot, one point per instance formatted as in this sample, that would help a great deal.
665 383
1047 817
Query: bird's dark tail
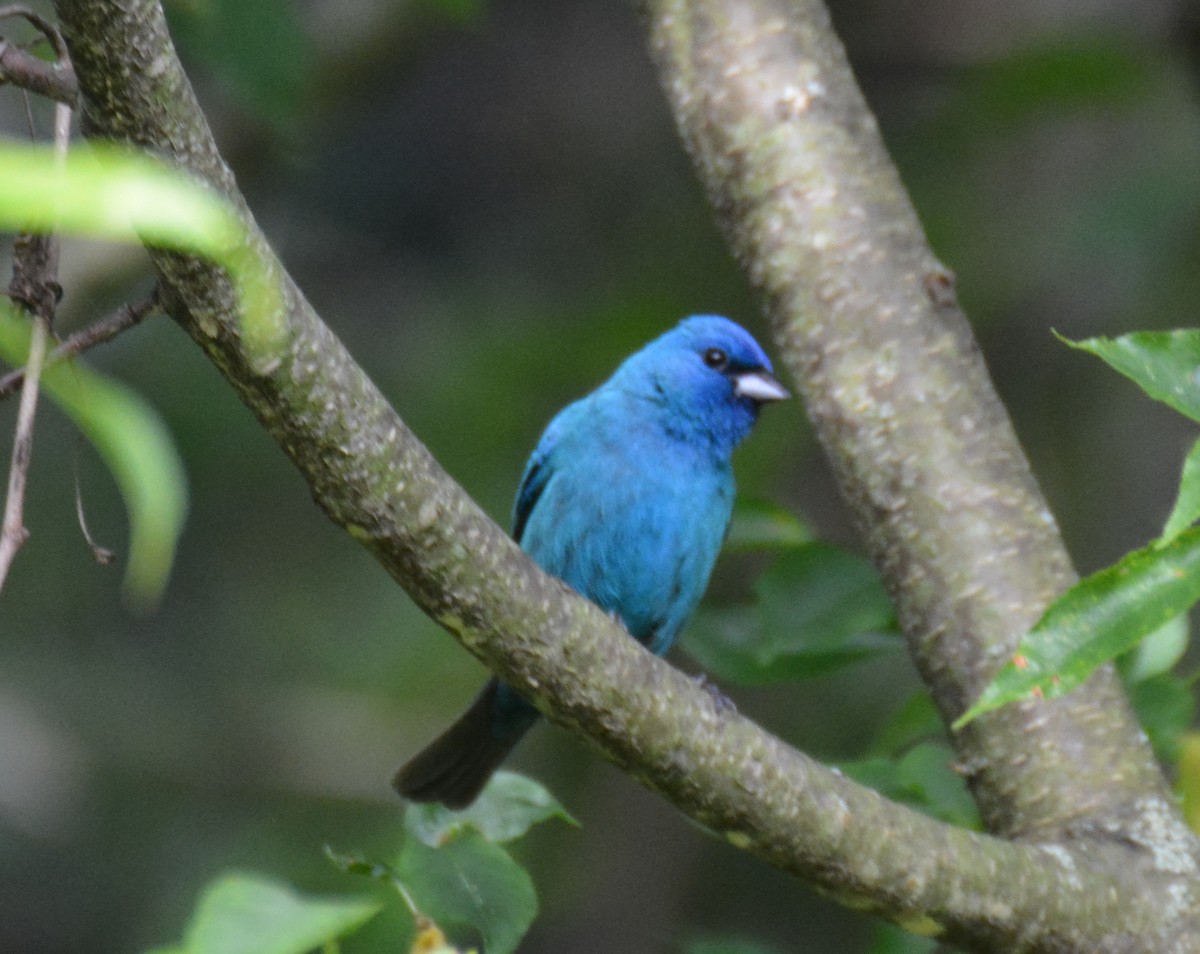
454 767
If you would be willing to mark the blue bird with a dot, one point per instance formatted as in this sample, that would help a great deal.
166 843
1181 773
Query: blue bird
627 498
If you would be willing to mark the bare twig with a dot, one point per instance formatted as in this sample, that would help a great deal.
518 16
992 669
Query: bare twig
101 554
35 283
98 333
13 533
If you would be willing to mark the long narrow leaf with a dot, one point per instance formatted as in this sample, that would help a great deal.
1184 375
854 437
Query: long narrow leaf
1187 505
136 448
1096 620
118 194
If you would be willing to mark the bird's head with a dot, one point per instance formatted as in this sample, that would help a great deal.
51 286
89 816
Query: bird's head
708 374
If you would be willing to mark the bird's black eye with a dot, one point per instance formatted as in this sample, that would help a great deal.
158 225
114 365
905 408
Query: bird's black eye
716 358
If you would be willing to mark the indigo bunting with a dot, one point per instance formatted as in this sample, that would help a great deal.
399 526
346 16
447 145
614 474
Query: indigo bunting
627 498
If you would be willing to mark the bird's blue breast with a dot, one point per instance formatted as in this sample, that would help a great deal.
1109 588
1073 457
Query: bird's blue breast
628 513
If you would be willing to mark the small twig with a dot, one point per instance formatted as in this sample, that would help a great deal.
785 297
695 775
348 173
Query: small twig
98 333
13 533
35 282
102 555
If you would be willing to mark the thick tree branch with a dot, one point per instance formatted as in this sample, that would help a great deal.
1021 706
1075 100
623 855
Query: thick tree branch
372 476
892 378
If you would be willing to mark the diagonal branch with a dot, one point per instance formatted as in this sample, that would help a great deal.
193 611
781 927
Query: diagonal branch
372 476
893 380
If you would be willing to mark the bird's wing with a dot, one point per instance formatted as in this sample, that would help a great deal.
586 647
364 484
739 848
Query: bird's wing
537 474
538 471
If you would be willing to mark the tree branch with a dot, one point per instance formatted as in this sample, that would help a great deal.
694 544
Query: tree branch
372 476
54 80
896 387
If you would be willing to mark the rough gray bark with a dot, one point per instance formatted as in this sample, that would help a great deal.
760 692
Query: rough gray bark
887 365
897 389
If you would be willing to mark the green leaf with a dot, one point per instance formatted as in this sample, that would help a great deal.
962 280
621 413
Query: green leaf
1058 77
1164 705
924 778
817 609
1187 768
1187 505
258 51
758 525
890 939
1096 620
1157 652
356 864
136 447
917 720
471 882
509 806
115 193
250 914
928 771
1164 364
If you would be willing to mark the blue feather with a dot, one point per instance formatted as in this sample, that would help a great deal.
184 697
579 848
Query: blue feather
627 498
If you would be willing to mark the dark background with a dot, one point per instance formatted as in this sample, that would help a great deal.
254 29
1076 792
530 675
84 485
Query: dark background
488 203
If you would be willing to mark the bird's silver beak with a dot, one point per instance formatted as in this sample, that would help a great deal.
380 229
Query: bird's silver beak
759 386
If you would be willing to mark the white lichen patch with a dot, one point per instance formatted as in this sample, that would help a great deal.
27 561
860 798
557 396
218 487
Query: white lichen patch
427 515
1066 863
1170 844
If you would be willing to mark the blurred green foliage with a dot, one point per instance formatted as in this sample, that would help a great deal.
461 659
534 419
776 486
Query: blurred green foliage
489 205
244 914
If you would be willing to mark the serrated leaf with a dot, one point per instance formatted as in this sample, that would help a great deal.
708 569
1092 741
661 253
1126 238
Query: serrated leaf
470 882
250 914
817 609
1164 364
1187 504
507 808
759 525
1096 620
135 446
